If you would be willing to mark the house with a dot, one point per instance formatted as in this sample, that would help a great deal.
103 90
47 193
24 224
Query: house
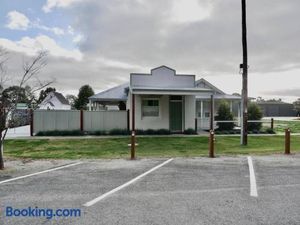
276 108
163 99
55 100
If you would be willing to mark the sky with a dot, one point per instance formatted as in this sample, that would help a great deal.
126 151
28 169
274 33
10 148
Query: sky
100 42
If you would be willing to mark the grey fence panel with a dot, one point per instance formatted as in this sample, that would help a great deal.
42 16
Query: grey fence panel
104 120
67 120
47 120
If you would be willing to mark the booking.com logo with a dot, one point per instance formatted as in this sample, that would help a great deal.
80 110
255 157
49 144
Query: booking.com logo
41 212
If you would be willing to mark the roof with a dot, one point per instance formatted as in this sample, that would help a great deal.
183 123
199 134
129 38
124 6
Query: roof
116 93
225 96
169 91
272 103
61 98
205 83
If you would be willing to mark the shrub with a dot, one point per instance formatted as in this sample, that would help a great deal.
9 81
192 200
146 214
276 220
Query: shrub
60 133
270 131
163 132
224 114
150 132
189 131
254 113
98 132
119 132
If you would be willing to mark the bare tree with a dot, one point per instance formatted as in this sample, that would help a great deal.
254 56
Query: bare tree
30 83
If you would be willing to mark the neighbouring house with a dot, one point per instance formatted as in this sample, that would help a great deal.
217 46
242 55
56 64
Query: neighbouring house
165 100
277 109
55 100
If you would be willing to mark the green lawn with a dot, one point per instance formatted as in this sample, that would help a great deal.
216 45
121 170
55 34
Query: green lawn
280 126
148 147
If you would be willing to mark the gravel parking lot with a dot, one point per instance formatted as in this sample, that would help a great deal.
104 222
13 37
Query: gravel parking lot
156 191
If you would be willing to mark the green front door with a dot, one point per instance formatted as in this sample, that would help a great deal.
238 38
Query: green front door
176 115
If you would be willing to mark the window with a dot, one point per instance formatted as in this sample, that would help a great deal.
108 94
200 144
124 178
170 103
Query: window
150 107
207 114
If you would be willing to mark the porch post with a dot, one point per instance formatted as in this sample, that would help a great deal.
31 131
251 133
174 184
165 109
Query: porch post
231 106
90 105
202 110
212 105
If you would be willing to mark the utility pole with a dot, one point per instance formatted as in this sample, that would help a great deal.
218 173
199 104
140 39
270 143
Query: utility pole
244 66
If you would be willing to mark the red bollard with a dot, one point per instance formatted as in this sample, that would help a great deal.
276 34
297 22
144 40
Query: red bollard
287 141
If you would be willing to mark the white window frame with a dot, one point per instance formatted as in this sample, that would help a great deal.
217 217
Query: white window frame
142 107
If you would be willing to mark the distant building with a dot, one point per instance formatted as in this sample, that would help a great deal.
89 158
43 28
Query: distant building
275 109
55 100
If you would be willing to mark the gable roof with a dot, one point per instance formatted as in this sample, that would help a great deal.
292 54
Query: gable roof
206 84
115 93
59 97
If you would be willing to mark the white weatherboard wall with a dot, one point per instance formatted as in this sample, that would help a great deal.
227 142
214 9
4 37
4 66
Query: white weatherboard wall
160 122
46 120
189 114
104 120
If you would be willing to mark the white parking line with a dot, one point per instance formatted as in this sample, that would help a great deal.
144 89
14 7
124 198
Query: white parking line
38 173
253 188
94 201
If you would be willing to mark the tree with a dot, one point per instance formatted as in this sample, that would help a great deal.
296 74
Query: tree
9 97
297 106
71 99
44 93
83 97
224 114
254 113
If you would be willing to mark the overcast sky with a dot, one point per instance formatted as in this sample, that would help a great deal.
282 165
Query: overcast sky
99 42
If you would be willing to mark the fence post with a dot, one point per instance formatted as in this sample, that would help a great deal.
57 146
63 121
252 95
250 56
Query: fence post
212 112
31 122
128 120
211 144
272 123
133 127
81 120
132 152
196 125
287 141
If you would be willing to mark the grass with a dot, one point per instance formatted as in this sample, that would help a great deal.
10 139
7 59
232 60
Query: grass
148 147
280 126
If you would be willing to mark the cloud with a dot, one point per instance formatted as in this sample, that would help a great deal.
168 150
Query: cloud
168 32
30 46
57 4
295 92
190 11
17 21
56 30
78 38
201 37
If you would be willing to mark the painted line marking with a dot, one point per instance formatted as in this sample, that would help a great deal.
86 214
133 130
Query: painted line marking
38 173
94 201
253 187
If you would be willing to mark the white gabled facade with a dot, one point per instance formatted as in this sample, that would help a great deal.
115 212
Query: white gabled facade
55 101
